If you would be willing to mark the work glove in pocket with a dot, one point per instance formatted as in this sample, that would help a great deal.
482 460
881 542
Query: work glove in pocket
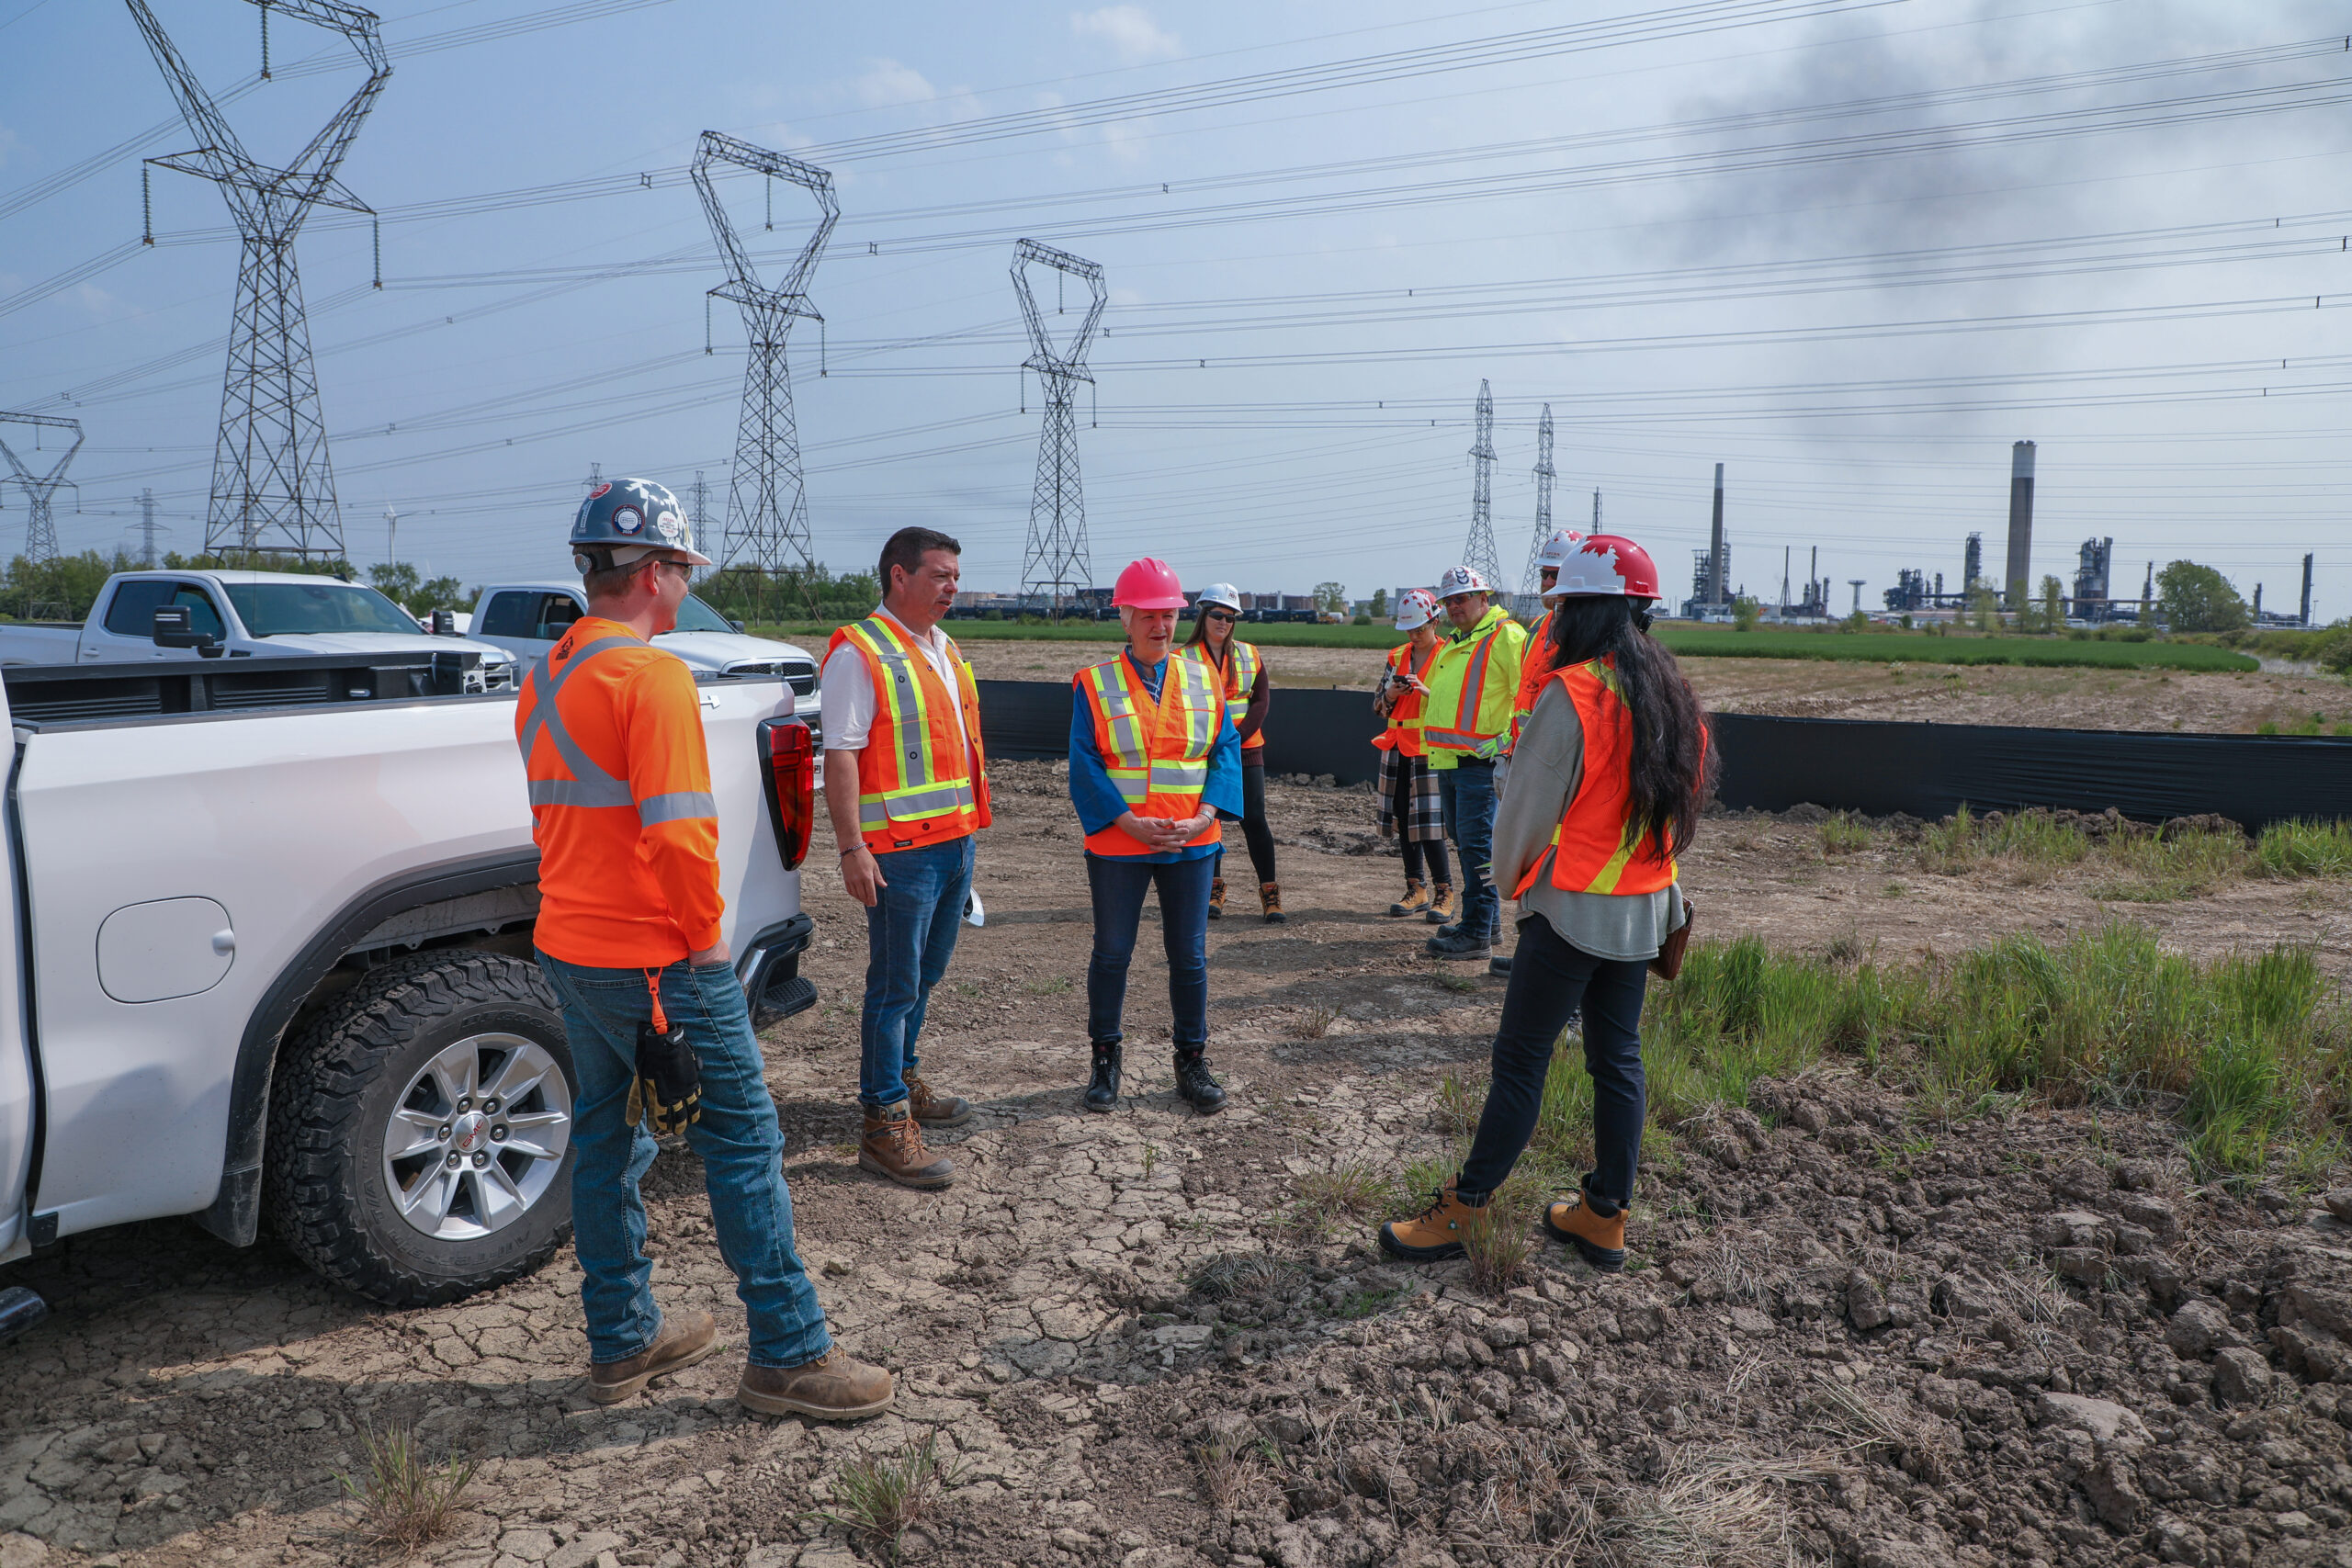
666 1093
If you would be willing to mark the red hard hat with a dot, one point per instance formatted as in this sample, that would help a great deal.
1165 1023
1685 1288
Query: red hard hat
1607 563
1148 584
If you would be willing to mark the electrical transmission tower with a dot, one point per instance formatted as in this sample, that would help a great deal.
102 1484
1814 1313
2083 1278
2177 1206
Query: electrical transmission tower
1528 582
1056 564
1479 554
40 493
272 486
767 502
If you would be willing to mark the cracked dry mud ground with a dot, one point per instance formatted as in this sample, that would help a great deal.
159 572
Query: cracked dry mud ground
1849 1338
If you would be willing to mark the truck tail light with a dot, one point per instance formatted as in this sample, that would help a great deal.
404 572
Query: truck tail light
789 774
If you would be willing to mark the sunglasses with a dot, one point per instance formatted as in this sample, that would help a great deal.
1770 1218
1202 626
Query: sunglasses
1220 616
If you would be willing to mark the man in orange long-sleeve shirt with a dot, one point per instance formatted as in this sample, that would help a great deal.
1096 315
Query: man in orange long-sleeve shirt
612 740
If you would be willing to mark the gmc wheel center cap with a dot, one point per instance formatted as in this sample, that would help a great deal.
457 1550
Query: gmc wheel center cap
470 1132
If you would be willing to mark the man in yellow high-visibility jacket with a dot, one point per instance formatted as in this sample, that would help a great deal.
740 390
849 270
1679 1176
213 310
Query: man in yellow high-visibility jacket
1465 727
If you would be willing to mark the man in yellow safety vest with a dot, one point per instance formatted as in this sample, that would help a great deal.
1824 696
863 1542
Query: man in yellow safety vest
1465 727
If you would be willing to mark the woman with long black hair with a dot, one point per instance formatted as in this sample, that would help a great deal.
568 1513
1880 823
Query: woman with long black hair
1606 784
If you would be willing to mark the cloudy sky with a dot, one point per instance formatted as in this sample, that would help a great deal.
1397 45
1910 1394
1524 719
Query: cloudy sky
1851 249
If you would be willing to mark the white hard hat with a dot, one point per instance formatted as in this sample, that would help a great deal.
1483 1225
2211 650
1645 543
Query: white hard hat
1416 607
1463 579
1223 593
1557 550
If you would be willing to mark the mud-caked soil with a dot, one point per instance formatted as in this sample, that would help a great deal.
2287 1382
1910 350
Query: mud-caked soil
1847 1335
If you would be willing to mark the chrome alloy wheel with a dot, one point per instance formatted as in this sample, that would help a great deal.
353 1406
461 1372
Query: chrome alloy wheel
478 1136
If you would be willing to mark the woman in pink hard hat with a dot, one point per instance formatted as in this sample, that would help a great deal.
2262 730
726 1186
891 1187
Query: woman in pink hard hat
1154 767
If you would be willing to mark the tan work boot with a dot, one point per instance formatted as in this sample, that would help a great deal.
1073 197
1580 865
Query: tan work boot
936 1109
1599 1239
834 1387
1433 1234
892 1147
1217 898
1416 898
1441 907
686 1337
1270 900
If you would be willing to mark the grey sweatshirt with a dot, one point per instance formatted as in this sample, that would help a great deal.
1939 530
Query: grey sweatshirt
1546 765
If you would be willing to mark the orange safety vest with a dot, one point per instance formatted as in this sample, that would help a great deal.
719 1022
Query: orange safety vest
1157 753
1533 671
918 781
1594 848
1403 735
611 733
1237 675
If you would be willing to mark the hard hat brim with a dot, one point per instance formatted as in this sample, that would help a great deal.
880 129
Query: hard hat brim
1156 602
626 554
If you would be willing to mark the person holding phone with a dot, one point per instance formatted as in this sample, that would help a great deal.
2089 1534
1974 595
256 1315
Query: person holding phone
1410 810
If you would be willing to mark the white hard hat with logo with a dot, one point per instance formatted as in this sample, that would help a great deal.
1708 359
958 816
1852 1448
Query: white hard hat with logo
627 520
1418 607
1463 579
1223 593
1557 550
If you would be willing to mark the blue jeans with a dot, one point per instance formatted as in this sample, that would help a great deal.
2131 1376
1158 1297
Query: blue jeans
1550 978
1467 794
910 937
741 1146
1118 886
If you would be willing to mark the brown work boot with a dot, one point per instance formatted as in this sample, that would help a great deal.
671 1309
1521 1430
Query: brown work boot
1441 907
1599 1239
936 1109
893 1148
1217 898
834 1387
1270 899
686 1337
1433 1234
1416 898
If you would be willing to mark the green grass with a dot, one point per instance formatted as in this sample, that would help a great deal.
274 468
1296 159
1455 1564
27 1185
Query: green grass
2144 867
2305 848
2252 1052
1881 648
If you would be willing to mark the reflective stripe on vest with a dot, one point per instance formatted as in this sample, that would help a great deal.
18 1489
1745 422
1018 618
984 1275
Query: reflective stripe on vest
1595 848
908 791
1241 680
1462 733
1155 752
589 785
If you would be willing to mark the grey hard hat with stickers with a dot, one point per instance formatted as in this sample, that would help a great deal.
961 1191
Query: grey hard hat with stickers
626 519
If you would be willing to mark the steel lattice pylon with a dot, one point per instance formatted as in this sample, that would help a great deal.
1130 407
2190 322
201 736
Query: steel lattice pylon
1056 564
272 486
1528 582
41 489
1478 552
767 500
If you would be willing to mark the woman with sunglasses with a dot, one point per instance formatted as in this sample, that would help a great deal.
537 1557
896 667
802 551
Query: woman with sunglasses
1247 688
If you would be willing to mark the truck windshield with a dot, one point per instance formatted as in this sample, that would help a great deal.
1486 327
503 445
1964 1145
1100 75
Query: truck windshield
694 616
283 609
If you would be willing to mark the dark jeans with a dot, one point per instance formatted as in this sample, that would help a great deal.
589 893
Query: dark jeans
739 1140
1118 886
1549 980
1254 831
1467 794
1427 861
910 937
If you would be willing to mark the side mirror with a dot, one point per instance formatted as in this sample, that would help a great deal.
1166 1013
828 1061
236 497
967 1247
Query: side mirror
788 779
736 624
175 626
444 622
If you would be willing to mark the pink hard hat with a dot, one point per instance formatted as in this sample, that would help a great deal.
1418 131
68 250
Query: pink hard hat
1148 584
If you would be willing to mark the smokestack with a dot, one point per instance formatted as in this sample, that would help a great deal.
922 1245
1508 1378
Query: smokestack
1716 545
2020 521
2307 590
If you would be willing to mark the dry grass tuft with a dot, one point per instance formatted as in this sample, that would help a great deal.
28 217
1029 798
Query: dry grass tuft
884 1496
404 1500
1700 1514
1315 1024
1242 1274
1460 1102
1498 1243
1228 1475
1353 1189
1855 1418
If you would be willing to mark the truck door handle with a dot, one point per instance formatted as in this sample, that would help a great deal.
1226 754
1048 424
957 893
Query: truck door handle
224 942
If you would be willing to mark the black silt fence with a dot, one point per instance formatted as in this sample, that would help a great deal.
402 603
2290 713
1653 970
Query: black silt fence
1770 764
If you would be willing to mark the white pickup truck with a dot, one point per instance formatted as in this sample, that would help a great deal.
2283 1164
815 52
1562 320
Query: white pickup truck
525 619
266 957
246 615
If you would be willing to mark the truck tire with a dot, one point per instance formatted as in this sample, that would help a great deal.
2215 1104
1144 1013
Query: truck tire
420 1130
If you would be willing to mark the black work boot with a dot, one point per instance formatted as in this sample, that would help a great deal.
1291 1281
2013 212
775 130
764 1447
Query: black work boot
1102 1092
1194 1082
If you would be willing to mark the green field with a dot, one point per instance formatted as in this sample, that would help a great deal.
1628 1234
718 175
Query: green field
1707 641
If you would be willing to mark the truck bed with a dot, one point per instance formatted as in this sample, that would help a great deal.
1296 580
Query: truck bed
54 694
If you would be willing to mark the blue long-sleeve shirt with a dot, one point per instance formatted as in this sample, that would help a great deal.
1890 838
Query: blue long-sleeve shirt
1098 800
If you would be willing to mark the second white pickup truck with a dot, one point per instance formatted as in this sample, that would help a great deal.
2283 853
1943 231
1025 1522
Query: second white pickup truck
246 615
525 618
